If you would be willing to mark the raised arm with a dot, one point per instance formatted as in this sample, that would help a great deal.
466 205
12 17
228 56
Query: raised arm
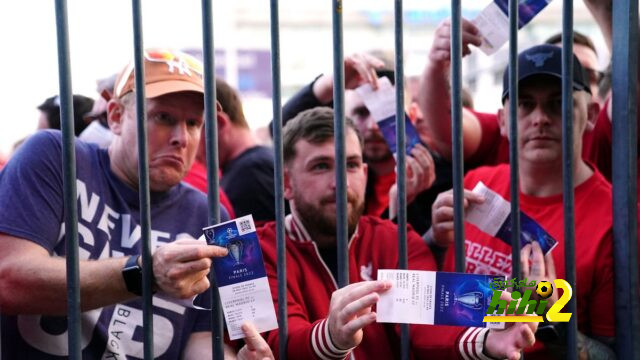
602 11
359 69
435 91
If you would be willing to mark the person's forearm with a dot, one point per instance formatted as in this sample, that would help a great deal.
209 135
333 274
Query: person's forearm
302 100
40 286
323 89
602 13
435 103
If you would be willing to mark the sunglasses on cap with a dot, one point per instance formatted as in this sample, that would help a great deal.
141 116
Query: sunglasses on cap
175 60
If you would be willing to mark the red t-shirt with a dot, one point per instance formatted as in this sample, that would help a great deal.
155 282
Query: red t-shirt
378 202
493 148
593 244
598 150
197 177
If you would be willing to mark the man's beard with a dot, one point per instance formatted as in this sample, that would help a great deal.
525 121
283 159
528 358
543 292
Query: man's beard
376 148
316 221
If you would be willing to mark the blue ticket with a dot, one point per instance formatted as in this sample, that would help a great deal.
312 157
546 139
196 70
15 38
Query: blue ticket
493 217
388 128
436 298
530 231
527 9
493 21
381 103
241 277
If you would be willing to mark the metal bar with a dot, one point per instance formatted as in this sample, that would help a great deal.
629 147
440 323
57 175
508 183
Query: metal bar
513 138
341 165
211 136
278 170
624 175
401 162
143 187
69 181
456 133
567 171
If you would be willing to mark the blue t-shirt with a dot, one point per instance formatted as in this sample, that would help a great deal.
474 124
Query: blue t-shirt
31 207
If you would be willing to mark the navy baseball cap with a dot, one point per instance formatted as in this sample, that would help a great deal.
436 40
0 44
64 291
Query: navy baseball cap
545 60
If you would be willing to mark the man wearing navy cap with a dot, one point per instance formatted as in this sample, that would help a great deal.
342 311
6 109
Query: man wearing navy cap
540 174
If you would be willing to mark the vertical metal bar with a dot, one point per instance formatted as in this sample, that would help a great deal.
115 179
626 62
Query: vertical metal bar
143 187
456 133
401 162
69 181
625 172
567 171
278 170
211 136
513 138
341 166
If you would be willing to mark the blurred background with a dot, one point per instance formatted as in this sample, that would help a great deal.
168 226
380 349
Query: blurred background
101 44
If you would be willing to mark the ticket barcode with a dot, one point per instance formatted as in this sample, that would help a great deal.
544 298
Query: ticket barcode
244 225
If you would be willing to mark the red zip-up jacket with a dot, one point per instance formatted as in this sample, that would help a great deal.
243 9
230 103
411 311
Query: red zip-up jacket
310 285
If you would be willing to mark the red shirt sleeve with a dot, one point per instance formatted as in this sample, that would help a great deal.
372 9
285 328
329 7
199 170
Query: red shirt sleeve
493 148
602 315
197 177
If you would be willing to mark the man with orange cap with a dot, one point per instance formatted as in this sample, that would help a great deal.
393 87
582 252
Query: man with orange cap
33 284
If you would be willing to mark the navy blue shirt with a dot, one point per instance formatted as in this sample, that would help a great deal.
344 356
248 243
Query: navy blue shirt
248 182
31 207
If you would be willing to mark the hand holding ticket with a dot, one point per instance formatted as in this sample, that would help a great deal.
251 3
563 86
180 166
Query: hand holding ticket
382 106
493 216
241 277
436 298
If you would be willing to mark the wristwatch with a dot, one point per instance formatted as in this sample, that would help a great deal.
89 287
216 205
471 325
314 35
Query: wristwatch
132 274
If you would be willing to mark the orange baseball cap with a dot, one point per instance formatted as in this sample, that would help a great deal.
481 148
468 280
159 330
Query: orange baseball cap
166 71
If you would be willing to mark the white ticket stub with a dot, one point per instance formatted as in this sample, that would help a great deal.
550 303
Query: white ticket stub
493 217
381 103
491 214
493 21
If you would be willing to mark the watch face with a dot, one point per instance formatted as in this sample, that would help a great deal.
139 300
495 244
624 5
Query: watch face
132 274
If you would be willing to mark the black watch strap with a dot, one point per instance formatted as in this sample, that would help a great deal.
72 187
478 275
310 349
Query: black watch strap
132 274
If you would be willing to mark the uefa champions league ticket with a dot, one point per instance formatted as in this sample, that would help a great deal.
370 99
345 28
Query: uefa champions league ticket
493 217
241 277
436 298
493 21
382 106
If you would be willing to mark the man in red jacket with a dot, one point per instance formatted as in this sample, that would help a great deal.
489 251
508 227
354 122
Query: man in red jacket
330 323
